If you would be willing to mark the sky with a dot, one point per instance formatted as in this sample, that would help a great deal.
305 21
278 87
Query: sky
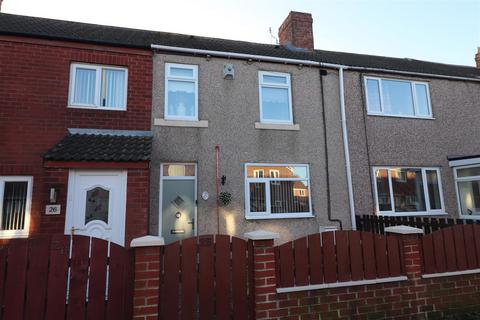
433 30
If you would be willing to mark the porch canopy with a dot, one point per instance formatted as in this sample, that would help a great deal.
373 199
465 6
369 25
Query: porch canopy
108 147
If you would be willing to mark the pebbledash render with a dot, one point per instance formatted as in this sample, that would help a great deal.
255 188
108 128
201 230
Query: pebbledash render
207 136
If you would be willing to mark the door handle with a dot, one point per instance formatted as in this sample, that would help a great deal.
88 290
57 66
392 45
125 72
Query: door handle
77 229
192 222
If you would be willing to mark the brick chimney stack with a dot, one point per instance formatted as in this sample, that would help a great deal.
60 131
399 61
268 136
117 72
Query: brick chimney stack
296 30
477 58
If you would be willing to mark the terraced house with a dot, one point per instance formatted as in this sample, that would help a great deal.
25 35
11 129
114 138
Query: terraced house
134 132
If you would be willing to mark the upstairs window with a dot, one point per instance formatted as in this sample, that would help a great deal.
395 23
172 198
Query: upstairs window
15 202
277 191
181 92
392 97
275 98
94 86
408 191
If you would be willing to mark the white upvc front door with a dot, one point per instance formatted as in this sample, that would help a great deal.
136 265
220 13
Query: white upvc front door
96 204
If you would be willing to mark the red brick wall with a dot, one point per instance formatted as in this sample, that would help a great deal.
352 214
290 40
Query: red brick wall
34 79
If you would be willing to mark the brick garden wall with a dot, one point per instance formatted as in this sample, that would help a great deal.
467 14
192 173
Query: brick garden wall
413 298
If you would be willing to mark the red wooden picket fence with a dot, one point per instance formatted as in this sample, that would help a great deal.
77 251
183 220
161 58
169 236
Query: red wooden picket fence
452 249
338 256
65 277
205 277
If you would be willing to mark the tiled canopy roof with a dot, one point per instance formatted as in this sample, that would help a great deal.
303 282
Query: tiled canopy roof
101 147
99 34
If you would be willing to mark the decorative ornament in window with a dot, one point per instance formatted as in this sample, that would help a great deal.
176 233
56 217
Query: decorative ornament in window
96 207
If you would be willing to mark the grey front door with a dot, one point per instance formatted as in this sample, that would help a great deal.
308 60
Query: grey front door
178 203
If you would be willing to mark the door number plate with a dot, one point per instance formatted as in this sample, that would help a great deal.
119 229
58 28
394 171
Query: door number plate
52 209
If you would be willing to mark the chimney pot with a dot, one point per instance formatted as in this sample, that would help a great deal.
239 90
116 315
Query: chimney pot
477 58
296 30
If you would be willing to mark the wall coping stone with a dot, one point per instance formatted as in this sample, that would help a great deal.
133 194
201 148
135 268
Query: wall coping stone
404 230
147 241
261 235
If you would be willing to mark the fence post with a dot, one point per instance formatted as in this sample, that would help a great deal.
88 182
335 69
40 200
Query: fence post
147 277
411 242
264 273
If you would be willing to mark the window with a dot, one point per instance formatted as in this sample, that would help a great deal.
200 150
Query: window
397 98
467 180
181 92
275 97
285 193
408 191
15 202
102 87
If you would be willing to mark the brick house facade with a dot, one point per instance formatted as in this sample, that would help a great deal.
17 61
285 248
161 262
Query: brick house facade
35 76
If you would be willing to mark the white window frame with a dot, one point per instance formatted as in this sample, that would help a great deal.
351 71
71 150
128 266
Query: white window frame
414 97
7 234
287 86
98 87
267 214
392 212
193 79
460 179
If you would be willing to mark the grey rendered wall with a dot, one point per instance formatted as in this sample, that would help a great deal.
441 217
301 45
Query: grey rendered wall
232 108
376 140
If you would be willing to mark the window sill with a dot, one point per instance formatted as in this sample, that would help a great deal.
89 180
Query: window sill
398 116
13 234
413 214
472 217
275 126
180 123
279 216
96 108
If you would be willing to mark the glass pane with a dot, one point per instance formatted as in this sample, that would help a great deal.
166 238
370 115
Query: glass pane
422 100
289 196
14 205
181 72
433 190
85 82
373 95
96 207
179 170
275 79
181 98
397 98
275 104
469 192
280 171
468 172
408 189
383 190
258 201
114 88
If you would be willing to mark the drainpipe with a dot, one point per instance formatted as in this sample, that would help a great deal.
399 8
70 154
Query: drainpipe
217 184
345 146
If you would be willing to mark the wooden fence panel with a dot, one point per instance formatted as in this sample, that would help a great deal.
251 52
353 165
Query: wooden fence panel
368 250
239 275
329 257
57 277
455 248
393 255
78 279
206 277
189 278
343 256
316 257
3 270
39 248
98 277
287 277
301 261
206 281
117 307
16 281
356 257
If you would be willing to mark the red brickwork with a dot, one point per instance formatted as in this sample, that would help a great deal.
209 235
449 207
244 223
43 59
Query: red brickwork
146 289
297 30
34 80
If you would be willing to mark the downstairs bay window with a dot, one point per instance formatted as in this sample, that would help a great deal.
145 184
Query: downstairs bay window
277 191
15 203
408 191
